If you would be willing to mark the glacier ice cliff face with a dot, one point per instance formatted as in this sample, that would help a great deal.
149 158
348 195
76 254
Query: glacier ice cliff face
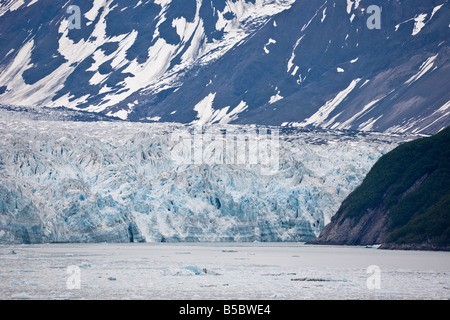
120 182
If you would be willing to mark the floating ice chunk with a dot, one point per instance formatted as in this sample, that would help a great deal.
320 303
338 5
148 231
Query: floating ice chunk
173 271
189 271
21 296
195 270
85 265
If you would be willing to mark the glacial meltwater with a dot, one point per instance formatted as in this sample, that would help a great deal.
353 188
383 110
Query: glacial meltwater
269 271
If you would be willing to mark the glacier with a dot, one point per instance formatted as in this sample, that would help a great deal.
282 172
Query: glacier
114 181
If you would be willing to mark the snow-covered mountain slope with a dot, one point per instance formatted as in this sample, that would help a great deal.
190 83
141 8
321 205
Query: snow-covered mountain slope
122 48
63 181
303 63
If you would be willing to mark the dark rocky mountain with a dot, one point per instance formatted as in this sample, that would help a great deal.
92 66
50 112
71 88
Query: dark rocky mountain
404 201
303 63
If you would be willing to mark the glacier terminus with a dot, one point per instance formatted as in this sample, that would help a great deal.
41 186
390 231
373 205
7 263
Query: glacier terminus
114 181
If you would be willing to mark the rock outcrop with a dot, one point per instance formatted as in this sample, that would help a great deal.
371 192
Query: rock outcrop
403 203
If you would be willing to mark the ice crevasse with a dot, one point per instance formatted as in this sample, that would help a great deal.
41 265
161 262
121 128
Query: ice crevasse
121 182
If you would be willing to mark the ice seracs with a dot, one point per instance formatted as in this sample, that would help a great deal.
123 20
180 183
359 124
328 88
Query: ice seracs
121 182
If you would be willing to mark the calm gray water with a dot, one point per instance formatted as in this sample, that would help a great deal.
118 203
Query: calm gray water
220 271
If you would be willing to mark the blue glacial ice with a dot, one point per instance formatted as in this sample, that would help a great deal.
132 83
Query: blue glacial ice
123 182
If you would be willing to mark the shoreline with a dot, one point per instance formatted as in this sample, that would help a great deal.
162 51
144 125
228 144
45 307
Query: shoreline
387 247
390 246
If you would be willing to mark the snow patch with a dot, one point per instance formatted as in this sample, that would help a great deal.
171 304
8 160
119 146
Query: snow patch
271 41
122 114
349 6
419 23
365 82
204 109
207 115
444 107
324 15
16 5
368 125
92 14
352 17
322 114
367 108
436 9
157 73
315 15
32 2
154 119
291 60
424 68
275 98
